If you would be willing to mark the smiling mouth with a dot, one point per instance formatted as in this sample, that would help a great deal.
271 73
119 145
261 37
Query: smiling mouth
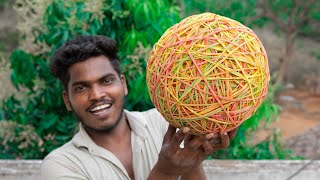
100 109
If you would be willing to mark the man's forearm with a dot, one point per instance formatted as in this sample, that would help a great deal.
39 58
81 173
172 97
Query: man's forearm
197 173
156 174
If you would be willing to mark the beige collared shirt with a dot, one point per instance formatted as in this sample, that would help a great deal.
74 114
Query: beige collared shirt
81 158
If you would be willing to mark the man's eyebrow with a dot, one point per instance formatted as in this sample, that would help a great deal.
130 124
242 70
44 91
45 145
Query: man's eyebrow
79 83
107 76
87 82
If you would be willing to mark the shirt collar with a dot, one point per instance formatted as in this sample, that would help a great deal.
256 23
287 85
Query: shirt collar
136 121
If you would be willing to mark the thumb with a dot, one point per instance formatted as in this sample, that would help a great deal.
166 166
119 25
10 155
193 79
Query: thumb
169 134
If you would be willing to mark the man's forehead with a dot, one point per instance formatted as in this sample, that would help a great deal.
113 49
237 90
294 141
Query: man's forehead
93 68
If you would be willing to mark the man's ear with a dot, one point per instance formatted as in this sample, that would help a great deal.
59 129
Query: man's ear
66 100
124 84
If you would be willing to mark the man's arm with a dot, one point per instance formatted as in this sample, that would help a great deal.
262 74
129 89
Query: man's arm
196 173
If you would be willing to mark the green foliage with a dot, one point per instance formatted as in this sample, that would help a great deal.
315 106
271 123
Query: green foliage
250 12
296 15
271 148
4 2
135 25
244 11
19 141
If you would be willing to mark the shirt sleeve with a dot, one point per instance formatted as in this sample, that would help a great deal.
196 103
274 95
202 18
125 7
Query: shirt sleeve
58 168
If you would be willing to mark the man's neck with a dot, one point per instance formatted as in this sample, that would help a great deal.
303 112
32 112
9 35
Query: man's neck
118 141
119 136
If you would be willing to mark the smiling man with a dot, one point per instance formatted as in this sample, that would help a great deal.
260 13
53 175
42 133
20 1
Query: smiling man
113 143
96 94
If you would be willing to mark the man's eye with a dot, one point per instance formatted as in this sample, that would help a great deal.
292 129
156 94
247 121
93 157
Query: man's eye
79 88
107 81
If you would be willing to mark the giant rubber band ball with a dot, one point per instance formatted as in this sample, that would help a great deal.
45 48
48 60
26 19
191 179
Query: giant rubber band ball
209 73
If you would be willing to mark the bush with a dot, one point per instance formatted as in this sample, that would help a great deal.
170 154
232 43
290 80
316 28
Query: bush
19 141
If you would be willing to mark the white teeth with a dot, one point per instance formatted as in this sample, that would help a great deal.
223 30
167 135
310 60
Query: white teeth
100 107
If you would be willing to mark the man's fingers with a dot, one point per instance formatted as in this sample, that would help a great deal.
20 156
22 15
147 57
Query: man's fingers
225 142
232 133
188 138
178 138
193 145
207 148
169 134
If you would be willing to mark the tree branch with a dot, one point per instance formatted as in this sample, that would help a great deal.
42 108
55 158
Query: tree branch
294 9
295 18
268 13
303 16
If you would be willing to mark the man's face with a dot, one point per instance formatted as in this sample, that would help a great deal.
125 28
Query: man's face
96 94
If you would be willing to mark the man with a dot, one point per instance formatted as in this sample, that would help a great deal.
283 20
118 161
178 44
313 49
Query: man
113 143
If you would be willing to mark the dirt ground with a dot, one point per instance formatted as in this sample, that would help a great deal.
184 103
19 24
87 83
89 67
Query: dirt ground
299 123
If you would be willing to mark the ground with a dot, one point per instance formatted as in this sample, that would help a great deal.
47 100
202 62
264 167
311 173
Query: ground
299 123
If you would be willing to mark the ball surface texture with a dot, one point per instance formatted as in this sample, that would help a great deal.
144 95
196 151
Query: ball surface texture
209 73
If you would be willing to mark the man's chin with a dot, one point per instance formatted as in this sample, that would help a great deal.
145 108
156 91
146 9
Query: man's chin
103 128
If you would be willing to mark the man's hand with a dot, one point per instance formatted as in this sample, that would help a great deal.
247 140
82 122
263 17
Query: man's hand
220 141
175 161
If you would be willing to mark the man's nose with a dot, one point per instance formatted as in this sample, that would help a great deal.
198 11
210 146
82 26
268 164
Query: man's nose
96 93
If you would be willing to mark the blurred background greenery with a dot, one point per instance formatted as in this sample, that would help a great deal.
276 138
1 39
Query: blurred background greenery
33 119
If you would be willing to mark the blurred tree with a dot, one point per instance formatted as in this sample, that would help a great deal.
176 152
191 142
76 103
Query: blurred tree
291 17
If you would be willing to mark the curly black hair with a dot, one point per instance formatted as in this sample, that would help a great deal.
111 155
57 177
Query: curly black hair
80 49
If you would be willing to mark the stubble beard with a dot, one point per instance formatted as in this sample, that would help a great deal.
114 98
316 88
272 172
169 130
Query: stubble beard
106 129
